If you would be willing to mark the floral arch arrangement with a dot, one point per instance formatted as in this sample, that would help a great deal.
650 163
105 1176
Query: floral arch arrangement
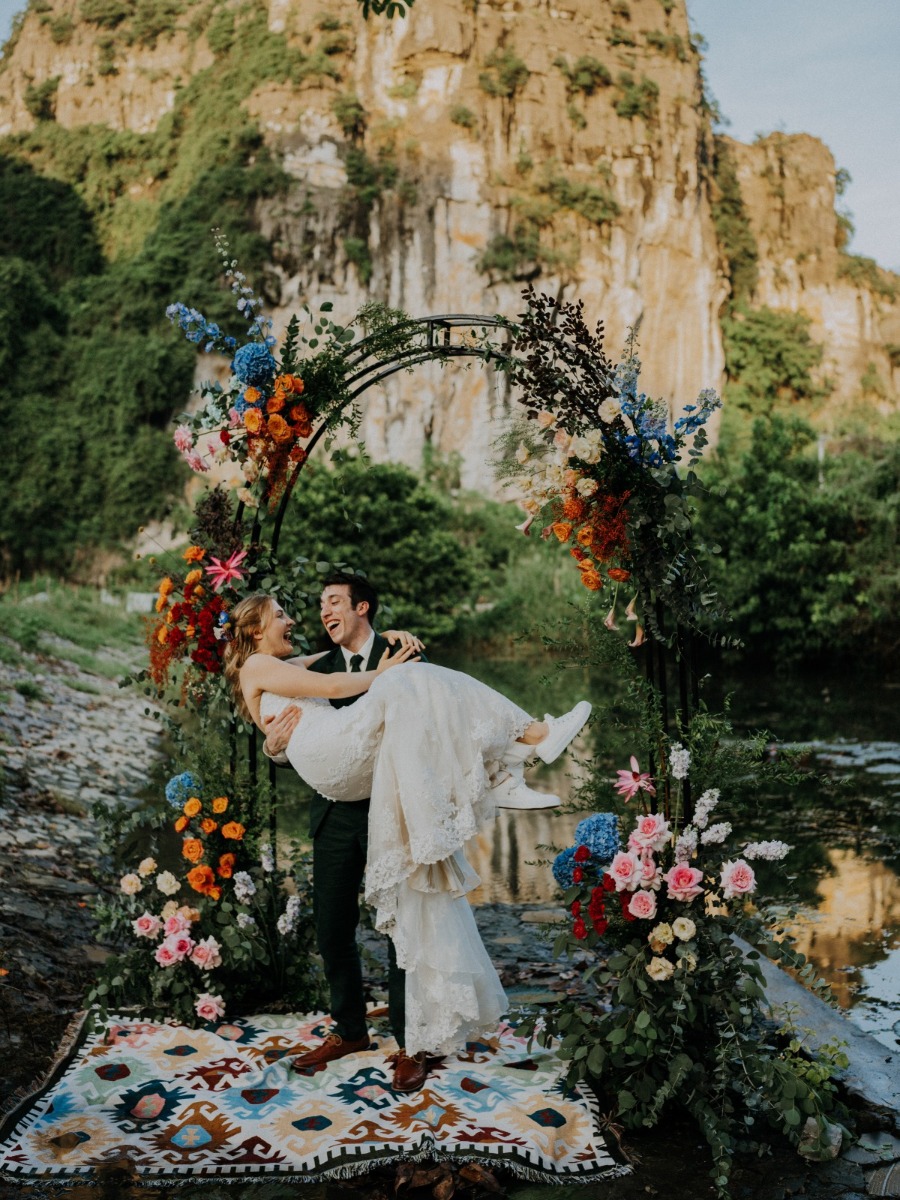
602 468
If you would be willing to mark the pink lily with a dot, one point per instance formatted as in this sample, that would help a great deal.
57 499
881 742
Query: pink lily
610 619
634 781
223 572
525 527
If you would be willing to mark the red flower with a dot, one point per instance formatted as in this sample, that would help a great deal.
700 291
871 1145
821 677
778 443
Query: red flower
582 854
624 901
225 437
577 875
608 884
601 926
580 929
575 908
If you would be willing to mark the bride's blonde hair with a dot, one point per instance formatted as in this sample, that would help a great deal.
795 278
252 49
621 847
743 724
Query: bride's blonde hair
249 617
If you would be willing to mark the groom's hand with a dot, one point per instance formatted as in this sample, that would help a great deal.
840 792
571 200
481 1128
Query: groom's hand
279 729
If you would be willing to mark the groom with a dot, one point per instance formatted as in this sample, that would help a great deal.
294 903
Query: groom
348 607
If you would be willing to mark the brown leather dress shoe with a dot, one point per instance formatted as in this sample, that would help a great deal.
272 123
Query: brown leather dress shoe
334 1046
410 1071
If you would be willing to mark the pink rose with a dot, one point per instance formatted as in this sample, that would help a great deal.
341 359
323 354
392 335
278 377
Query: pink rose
625 870
642 905
737 879
209 1008
165 955
146 925
194 461
206 954
684 882
235 420
651 874
184 438
651 832
176 923
182 944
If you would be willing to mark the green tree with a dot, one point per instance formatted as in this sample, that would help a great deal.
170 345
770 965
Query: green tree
383 520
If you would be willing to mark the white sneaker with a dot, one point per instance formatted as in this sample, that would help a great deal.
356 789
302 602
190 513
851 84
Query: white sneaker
562 730
513 793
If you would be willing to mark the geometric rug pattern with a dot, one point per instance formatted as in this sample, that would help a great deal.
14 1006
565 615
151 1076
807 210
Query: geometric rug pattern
223 1103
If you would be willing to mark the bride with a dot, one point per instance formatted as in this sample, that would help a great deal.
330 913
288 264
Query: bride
420 743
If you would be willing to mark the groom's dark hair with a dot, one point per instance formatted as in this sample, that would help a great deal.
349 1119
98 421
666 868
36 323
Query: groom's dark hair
360 590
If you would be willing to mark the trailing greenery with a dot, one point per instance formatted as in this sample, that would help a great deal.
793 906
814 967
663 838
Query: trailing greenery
810 561
732 224
637 98
506 74
586 75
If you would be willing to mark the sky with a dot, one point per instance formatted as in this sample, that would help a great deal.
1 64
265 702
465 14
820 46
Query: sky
826 67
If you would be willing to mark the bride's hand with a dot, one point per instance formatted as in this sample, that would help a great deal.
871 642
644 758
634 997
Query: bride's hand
404 638
404 654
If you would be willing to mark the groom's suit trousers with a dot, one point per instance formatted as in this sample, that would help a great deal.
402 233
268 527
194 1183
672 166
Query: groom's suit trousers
340 843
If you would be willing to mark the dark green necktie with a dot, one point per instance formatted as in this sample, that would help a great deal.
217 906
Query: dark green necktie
356 662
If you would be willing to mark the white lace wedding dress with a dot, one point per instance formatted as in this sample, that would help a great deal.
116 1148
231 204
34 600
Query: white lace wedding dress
420 743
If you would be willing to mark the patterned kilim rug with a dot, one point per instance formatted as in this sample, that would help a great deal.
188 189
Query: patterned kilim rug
222 1103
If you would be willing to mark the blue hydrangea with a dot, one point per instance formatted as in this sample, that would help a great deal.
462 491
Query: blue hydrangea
600 833
181 787
253 364
563 866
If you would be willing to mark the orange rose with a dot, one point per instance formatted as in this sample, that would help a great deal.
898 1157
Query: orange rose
253 420
191 807
219 804
192 849
591 580
252 395
298 454
181 824
562 531
201 879
585 535
161 634
215 892
276 403
279 428
302 420
193 577
290 383
234 830
193 554
208 825
619 574
226 865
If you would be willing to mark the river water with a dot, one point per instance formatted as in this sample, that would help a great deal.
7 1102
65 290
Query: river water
843 820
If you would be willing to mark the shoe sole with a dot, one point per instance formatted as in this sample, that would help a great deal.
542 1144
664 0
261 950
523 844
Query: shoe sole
560 744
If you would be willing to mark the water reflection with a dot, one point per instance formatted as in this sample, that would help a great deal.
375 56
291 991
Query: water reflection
853 937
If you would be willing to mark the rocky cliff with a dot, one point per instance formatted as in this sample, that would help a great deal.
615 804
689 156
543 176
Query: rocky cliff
439 162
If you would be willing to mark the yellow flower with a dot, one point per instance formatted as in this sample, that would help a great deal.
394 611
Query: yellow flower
193 554
193 577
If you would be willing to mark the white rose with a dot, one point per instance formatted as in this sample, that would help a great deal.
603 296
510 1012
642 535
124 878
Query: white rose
131 884
608 410
688 961
586 487
167 883
660 969
169 909
684 928
662 933
146 867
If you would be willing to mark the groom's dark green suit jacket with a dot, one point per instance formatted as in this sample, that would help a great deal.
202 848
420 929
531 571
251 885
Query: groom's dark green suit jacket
331 663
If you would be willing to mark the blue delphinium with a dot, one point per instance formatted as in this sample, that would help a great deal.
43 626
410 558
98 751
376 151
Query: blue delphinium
254 365
600 833
563 866
181 787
